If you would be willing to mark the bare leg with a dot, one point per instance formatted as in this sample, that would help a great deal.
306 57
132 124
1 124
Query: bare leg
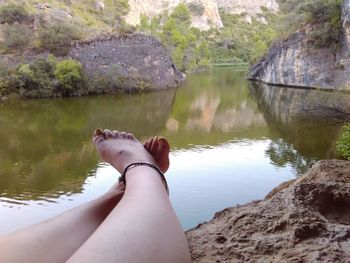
56 239
143 227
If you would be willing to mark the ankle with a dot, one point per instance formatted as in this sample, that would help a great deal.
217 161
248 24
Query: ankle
143 174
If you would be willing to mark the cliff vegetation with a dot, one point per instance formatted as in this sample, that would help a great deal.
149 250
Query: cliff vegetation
239 41
29 28
323 15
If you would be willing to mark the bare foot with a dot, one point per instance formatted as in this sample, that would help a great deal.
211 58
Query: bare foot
159 148
120 149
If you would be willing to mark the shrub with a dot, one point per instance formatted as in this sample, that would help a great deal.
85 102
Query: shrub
35 80
12 13
204 64
46 78
115 11
122 7
69 74
343 143
57 37
182 14
5 81
17 35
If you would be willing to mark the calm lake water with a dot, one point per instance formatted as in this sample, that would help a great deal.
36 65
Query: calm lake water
232 142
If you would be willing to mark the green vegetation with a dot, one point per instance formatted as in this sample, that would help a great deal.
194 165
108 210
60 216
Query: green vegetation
17 36
36 79
55 25
324 15
189 50
343 143
54 78
5 81
45 78
69 74
241 41
114 12
57 37
11 13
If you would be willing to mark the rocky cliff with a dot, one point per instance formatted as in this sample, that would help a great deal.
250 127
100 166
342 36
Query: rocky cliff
297 62
205 20
305 220
129 62
250 8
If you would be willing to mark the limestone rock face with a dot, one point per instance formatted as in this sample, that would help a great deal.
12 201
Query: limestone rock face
251 8
297 62
304 220
209 18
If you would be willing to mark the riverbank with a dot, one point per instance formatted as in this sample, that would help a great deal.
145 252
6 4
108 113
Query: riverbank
120 63
303 220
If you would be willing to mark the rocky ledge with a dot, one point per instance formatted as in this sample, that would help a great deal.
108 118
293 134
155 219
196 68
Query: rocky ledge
130 62
115 63
304 220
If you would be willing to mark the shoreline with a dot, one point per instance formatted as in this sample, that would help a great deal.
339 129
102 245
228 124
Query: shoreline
303 220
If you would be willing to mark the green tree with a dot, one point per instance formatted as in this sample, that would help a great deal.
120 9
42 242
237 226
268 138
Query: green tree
35 80
69 73
182 14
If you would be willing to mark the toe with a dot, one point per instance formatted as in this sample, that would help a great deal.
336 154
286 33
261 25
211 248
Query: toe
130 136
163 144
148 144
117 134
155 144
123 135
97 132
108 134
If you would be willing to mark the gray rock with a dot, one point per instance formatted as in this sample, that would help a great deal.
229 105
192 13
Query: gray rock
297 62
304 220
129 62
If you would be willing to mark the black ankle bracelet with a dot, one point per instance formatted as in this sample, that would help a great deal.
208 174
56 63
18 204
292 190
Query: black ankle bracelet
130 166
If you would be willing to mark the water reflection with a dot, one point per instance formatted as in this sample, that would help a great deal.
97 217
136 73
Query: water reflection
222 129
304 124
46 144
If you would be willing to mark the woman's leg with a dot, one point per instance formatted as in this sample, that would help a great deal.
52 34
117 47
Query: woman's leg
143 227
56 239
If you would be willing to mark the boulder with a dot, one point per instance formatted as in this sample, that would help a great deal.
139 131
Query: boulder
304 220
129 62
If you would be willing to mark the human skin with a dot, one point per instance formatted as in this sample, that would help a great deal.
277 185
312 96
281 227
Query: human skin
57 239
143 227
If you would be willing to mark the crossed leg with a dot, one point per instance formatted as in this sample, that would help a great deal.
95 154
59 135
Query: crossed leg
55 240
143 227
